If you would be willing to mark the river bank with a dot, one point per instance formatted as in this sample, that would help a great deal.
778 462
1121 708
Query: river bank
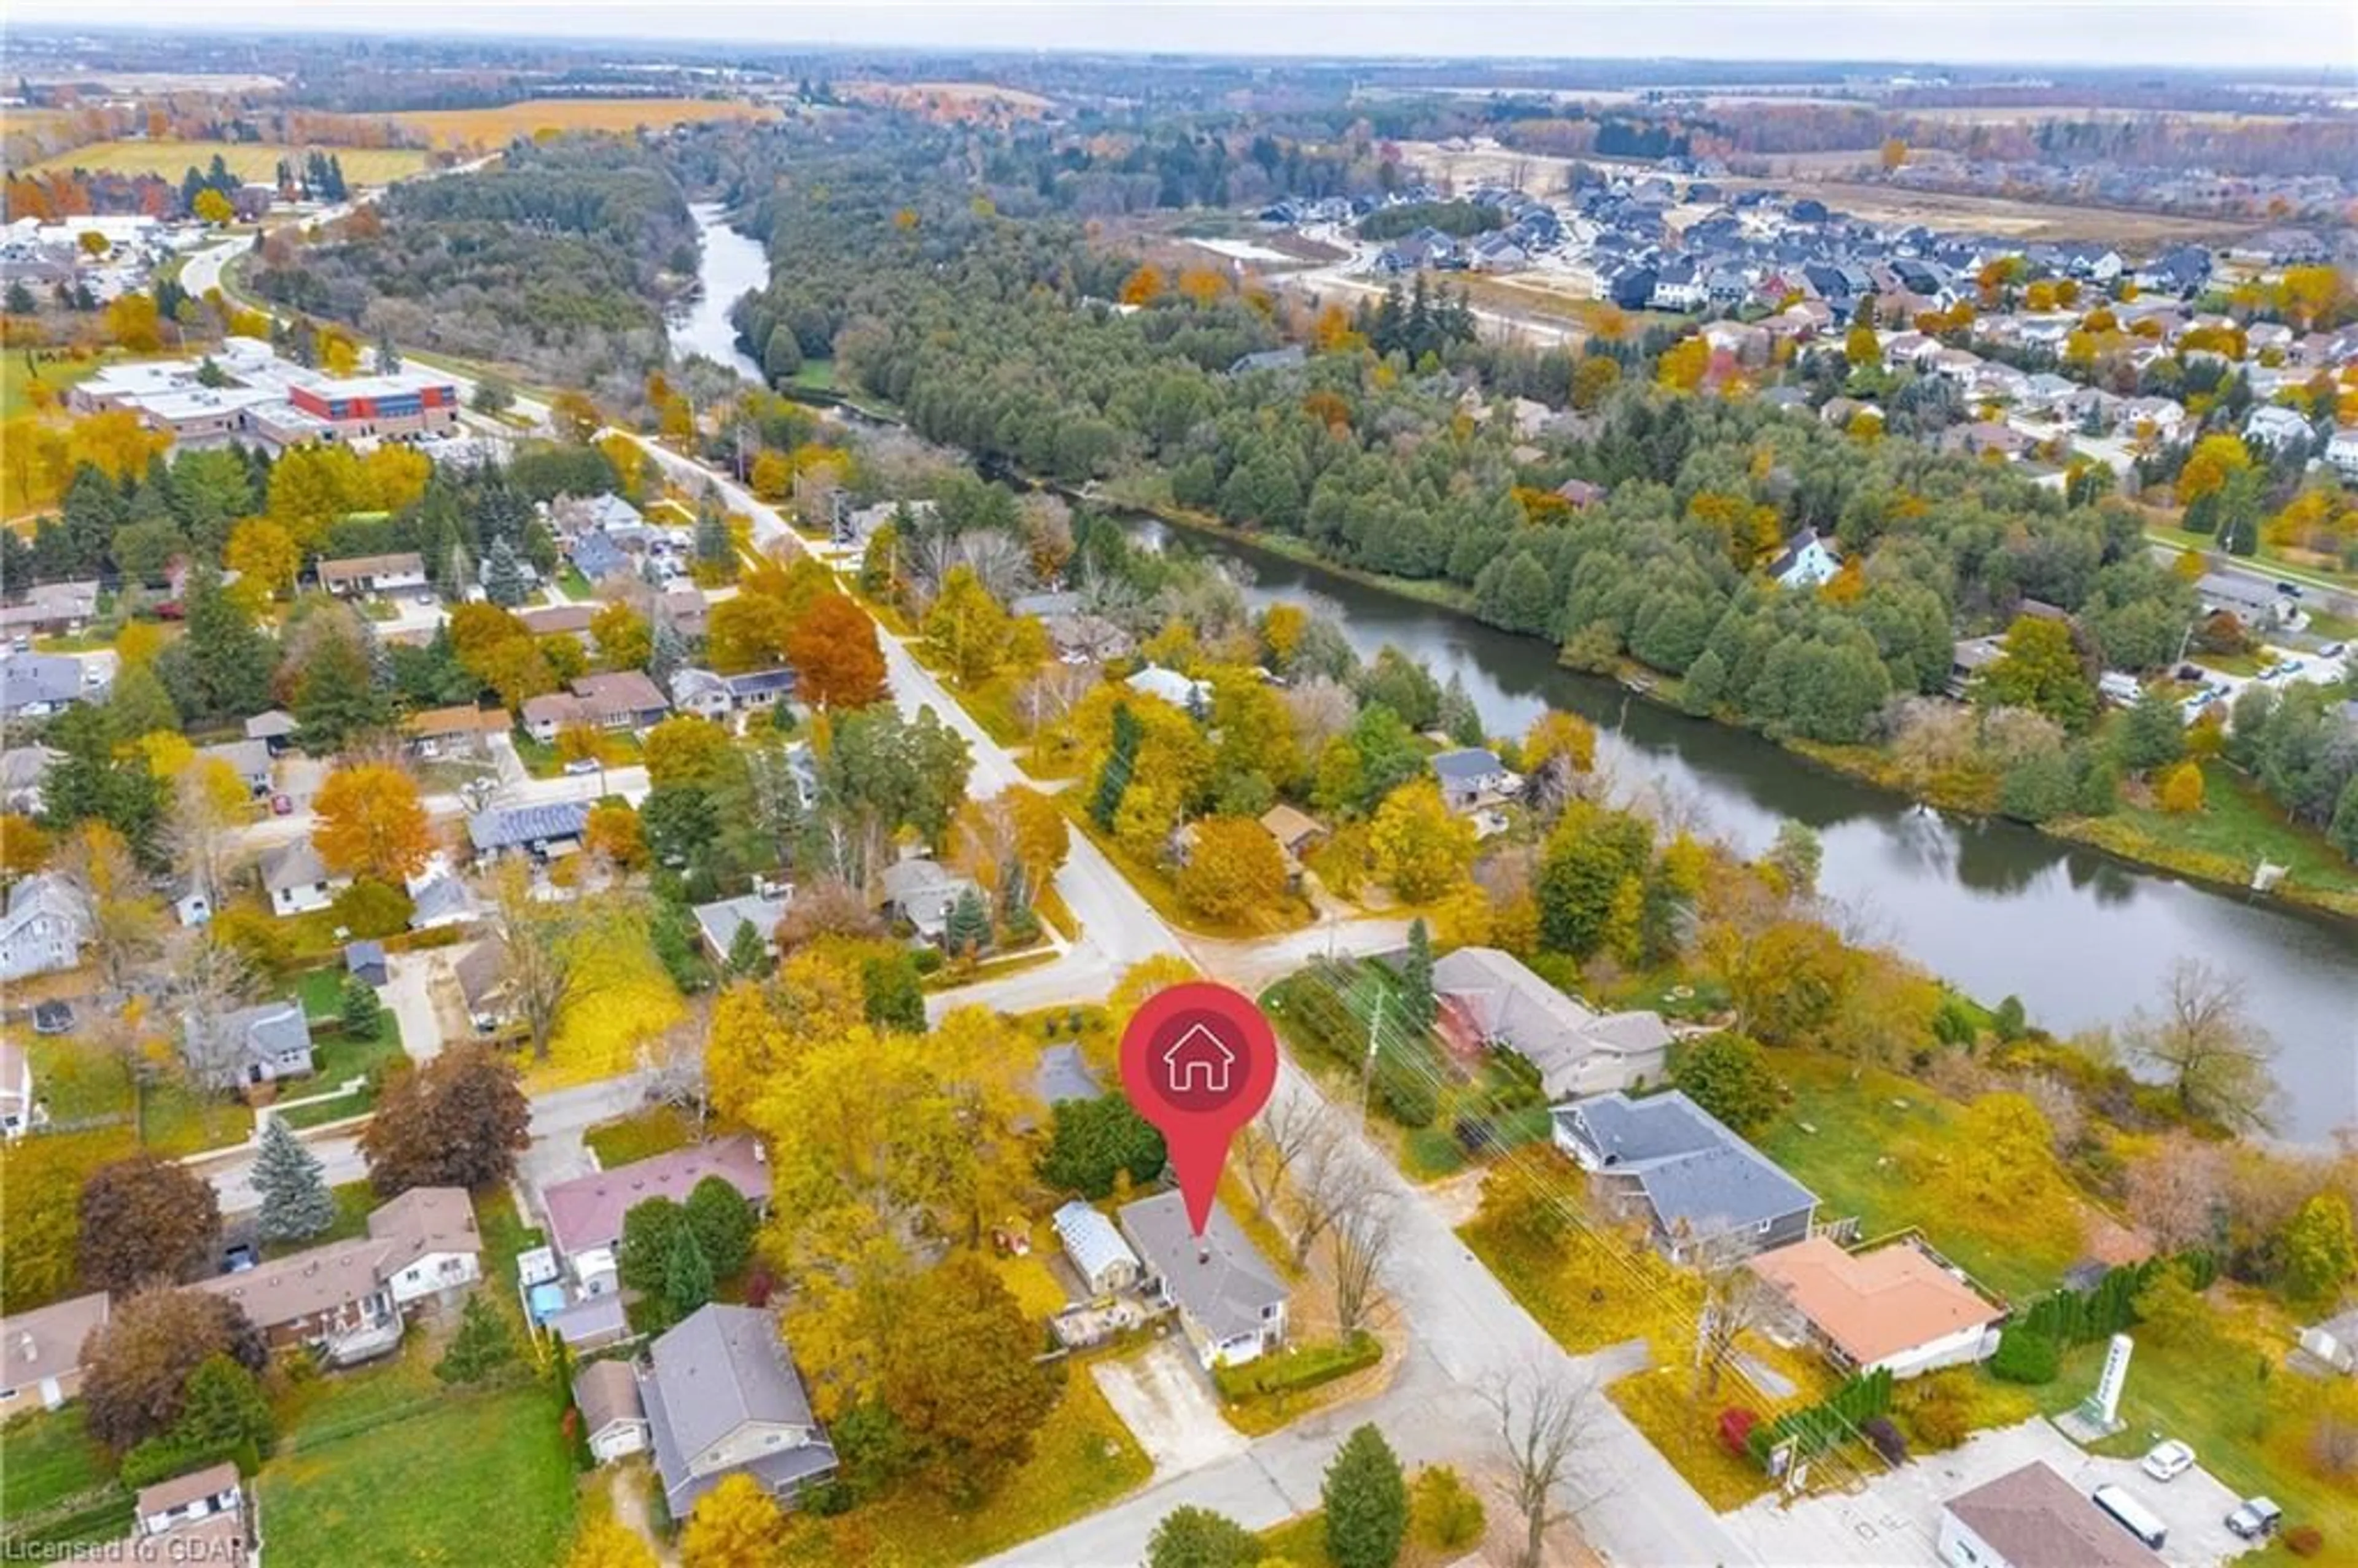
2119 837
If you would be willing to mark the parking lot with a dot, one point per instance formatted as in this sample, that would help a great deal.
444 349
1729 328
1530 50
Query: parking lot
1896 1518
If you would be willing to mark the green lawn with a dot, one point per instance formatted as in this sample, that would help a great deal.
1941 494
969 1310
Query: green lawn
354 1202
2223 1390
572 584
1876 1145
18 379
2237 828
79 1081
386 1466
175 1119
2265 560
505 1236
56 1485
658 1130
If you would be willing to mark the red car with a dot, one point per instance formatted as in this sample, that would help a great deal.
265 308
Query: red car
282 806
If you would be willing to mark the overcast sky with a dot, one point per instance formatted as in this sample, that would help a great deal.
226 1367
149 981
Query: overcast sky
2319 36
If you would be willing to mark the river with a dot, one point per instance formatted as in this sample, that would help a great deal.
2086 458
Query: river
1991 906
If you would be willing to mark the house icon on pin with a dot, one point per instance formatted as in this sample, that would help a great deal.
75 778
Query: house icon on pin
1198 1061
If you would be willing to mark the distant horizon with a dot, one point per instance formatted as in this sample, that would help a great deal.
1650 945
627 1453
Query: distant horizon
2313 42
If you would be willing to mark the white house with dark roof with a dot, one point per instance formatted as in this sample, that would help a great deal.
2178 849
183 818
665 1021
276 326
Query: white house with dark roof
249 1045
719 921
923 893
1666 1159
1182 693
1230 1304
1805 561
540 830
1472 777
722 1397
42 927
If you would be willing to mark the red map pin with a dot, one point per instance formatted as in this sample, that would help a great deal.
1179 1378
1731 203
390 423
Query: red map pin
1198 1062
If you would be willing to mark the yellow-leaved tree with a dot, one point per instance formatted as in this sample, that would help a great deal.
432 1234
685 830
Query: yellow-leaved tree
1422 849
736 1525
1233 868
372 824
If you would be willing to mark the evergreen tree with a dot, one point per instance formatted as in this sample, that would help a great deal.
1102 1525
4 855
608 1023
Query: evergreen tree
714 549
358 1008
295 1202
723 1223
336 695
1418 1004
481 1346
687 1274
1113 779
668 654
1459 719
388 356
503 576
783 357
967 930
228 658
747 956
1367 1503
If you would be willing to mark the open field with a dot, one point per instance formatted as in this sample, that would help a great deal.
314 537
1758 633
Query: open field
248 160
2140 231
949 100
494 127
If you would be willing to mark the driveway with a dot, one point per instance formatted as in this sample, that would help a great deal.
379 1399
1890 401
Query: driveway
1898 1517
1166 1402
408 990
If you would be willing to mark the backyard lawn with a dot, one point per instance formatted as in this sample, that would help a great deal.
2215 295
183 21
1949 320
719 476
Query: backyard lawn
56 1485
355 1201
387 1465
1879 1146
2238 828
81 1082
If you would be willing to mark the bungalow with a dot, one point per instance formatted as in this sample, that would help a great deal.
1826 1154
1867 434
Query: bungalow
52 609
622 699
574 516
718 697
249 760
1895 1309
722 1397
352 1298
922 892
719 922
1187 696
1986 438
20 1108
297 881
541 831
1670 1161
1297 832
585 1213
438 897
613 1419
686 610
597 557
352 576
1231 1306
562 621
2164 417
1806 560
43 927
1473 777
1095 1249
40 1352
35 686
248 1045
1581 494
2249 600
1489 999
199 1518
2033 1518
1084 638
462 731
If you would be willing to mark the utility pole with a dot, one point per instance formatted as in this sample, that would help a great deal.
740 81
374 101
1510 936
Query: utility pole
1368 1068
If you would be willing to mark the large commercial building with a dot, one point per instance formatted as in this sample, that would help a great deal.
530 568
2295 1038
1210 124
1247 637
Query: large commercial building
257 397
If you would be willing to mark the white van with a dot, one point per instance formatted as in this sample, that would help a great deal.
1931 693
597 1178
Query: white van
2132 1514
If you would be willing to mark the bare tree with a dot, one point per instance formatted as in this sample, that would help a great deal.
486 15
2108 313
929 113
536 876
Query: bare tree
1050 696
1362 1245
1332 1182
2177 1194
1272 1142
2205 1044
125 923
537 938
673 1061
1542 1418
210 980
1322 709
999 563
1736 1300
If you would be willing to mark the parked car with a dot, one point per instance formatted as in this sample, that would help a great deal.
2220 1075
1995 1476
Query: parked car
238 1259
2289 589
2333 650
2168 1460
582 765
52 1018
2255 1519
282 806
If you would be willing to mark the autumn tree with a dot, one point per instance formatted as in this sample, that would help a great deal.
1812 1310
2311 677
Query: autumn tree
2321 1253
968 627
1233 868
835 656
372 823
2039 669
961 1378
1728 1075
459 1121
604 1542
737 1524
536 941
147 1220
140 1362
1422 849
2202 1043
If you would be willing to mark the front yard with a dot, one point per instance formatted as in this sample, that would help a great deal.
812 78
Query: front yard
628 999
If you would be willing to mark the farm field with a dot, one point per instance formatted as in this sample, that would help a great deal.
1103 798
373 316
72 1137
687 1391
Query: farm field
2015 218
493 127
248 160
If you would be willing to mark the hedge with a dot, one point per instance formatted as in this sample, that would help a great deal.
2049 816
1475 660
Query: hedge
2025 1356
1295 1370
1860 1400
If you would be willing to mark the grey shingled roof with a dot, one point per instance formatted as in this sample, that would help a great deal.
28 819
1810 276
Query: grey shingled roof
510 826
722 1368
1221 1280
1466 765
294 864
1692 1169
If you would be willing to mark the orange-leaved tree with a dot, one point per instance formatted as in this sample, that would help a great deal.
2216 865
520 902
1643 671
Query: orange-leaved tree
372 824
833 650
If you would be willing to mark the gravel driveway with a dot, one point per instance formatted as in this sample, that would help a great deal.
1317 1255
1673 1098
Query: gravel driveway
1166 1402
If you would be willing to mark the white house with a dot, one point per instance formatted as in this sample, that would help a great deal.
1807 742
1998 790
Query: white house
1230 1306
297 881
1173 688
1806 561
19 1113
2334 1342
43 929
2342 450
1893 1309
2274 425
2033 1518
1473 776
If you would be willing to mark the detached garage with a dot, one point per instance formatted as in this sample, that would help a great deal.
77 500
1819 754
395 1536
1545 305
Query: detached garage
607 1395
1098 1254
